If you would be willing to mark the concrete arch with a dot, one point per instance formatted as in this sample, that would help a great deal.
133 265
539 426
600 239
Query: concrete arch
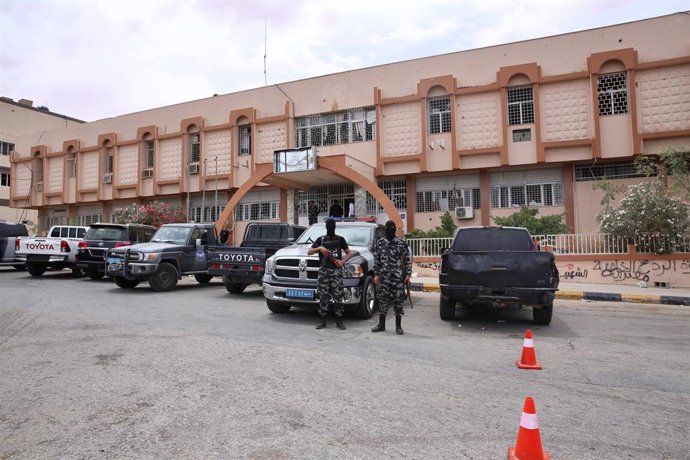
335 164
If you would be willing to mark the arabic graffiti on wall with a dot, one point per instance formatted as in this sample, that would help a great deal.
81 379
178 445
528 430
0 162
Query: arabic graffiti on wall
569 272
640 270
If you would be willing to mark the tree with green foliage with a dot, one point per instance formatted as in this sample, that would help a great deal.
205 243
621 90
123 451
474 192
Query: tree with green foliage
155 214
527 217
446 229
672 168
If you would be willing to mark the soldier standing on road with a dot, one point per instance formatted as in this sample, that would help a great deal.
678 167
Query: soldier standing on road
392 269
312 212
331 248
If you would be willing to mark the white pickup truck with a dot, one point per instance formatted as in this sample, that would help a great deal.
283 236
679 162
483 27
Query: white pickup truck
57 251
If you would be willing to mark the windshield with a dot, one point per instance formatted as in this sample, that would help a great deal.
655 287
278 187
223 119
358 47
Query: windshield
177 235
355 235
105 234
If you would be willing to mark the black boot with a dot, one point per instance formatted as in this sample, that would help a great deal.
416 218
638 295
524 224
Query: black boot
381 326
322 324
339 323
398 327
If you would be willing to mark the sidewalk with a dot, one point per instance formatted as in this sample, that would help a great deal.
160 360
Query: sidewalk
584 291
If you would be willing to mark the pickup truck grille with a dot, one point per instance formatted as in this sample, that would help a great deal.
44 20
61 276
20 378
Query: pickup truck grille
98 253
133 256
296 268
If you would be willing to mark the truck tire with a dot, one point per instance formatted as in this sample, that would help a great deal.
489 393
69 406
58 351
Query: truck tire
278 308
165 278
233 288
124 283
542 315
446 308
94 274
367 303
203 278
35 269
77 272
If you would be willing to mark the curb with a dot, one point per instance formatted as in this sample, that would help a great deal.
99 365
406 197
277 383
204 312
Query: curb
594 296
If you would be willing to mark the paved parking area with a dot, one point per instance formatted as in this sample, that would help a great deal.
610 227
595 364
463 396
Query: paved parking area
93 371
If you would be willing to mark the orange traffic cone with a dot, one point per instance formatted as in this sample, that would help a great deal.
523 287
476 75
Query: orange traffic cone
528 360
528 444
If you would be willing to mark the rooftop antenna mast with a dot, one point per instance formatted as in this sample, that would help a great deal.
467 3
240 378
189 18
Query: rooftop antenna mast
265 46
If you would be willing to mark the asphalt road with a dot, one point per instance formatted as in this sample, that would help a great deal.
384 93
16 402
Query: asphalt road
88 370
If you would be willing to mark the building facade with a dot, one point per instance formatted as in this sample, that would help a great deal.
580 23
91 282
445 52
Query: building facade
477 133
17 119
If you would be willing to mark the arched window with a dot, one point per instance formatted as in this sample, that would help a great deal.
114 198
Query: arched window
612 88
438 111
71 163
244 136
148 150
194 143
520 101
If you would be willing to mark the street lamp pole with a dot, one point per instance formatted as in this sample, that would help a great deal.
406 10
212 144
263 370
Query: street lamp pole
215 203
203 195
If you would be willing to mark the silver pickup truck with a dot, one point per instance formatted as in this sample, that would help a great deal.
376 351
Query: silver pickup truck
291 276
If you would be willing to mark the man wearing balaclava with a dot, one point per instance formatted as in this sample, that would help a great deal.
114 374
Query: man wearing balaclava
333 253
392 270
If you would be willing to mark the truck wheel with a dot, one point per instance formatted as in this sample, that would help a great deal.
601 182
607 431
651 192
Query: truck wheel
77 272
367 303
165 278
446 308
35 269
542 315
94 274
233 288
277 307
203 278
124 283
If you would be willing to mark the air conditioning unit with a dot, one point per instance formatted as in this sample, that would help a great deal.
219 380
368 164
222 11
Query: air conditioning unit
193 168
147 173
108 178
39 186
465 212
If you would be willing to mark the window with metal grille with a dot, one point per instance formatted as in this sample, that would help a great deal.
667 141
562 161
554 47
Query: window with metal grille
615 170
6 148
447 200
89 219
5 179
108 161
355 125
149 146
613 93
439 115
520 105
514 196
396 190
257 211
318 194
195 148
71 165
245 140
210 213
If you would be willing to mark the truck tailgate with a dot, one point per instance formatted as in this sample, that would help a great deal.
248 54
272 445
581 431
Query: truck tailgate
499 269
237 256
39 246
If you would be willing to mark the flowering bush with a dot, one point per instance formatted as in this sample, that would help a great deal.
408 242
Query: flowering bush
155 214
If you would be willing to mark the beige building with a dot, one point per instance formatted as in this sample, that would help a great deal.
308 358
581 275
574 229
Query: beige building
19 119
478 133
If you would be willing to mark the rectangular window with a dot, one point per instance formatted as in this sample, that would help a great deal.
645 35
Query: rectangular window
6 148
439 115
396 190
210 213
614 170
257 211
522 135
195 148
355 125
513 189
245 140
72 165
613 93
520 105
5 179
108 161
89 219
149 146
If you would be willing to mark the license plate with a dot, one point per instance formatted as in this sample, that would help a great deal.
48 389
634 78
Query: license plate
299 293
112 260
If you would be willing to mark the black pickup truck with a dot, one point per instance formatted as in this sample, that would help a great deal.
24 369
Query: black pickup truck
244 265
292 276
497 266
174 250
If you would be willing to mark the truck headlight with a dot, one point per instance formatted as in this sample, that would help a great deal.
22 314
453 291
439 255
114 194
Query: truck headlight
151 257
269 266
353 271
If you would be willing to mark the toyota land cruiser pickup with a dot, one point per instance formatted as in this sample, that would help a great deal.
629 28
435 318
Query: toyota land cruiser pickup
174 250
291 276
244 265
497 266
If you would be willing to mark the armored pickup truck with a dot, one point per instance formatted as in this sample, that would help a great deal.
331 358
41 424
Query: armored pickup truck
497 266
244 265
291 276
57 251
174 250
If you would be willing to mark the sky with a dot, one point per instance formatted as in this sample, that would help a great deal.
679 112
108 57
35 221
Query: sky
94 59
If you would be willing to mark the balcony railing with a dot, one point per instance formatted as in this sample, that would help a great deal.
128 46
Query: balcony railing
579 243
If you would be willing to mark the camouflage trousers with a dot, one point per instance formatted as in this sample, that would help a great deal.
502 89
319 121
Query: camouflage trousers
391 294
330 290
